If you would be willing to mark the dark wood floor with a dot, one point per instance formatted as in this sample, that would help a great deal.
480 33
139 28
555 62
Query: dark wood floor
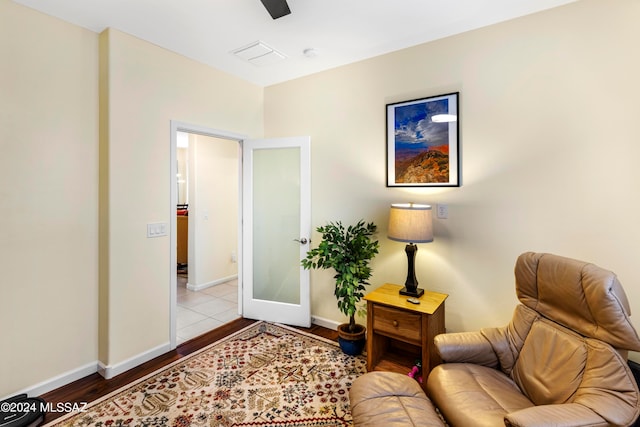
95 386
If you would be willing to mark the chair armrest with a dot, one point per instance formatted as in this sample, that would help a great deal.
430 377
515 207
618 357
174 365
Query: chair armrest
466 347
562 415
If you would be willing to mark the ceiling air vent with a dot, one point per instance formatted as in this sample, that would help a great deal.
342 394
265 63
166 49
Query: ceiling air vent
259 54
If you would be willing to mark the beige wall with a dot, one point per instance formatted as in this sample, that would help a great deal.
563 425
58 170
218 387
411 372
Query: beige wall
213 213
148 87
48 197
549 144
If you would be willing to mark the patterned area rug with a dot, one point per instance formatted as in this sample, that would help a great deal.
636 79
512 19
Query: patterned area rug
264 375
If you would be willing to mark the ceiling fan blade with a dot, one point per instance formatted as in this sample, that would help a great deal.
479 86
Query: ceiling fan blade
276 8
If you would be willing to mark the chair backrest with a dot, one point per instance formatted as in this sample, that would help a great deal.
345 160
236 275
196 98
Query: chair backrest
572 334
578 295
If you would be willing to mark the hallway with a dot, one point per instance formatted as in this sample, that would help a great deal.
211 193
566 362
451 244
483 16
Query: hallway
202 311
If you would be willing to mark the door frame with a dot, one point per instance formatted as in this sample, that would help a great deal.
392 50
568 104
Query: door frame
178 126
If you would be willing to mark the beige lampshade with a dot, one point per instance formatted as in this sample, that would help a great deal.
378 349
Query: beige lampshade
409 222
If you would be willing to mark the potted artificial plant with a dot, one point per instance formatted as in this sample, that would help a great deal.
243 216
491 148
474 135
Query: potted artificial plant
348 251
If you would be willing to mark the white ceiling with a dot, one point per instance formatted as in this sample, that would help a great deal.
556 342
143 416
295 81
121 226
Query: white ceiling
340 31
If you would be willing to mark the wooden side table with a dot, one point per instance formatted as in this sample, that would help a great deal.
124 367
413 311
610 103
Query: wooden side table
399 333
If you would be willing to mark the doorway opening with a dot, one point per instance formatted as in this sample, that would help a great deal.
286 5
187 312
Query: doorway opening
204 230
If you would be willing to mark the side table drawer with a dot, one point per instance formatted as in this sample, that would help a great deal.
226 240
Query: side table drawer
401 324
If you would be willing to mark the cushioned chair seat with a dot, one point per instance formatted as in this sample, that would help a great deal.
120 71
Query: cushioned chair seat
475 395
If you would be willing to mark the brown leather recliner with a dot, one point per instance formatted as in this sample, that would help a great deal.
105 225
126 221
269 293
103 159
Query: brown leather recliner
560 362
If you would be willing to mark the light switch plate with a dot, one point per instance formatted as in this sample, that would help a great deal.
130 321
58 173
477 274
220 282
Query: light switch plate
157 229
443 211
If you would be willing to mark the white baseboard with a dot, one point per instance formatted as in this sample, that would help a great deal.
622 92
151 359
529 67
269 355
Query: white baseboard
111 371
327 323
212 283
58 381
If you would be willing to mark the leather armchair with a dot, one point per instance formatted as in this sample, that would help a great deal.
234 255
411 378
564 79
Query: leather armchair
561 361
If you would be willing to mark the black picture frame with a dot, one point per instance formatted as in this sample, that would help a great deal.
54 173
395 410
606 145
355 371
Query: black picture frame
423 142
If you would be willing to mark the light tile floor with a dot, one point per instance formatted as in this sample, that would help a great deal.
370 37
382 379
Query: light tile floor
202 311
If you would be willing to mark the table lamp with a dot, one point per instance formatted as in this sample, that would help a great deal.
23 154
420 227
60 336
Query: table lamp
410 223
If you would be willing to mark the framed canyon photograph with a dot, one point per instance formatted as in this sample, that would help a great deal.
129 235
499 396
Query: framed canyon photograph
423 142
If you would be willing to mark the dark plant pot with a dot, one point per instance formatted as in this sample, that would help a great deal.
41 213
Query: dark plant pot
351 343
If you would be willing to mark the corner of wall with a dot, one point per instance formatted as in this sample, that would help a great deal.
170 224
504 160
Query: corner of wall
103 200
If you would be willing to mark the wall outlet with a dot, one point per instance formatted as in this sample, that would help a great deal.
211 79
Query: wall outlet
442 211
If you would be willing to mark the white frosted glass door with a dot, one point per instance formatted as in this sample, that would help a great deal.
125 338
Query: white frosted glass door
276 229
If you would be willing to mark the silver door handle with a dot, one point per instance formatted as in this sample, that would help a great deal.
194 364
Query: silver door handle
302 240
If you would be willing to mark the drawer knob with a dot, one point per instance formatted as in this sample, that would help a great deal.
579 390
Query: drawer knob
395 323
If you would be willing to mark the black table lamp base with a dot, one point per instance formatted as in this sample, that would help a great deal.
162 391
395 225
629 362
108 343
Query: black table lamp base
411 285
417 293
